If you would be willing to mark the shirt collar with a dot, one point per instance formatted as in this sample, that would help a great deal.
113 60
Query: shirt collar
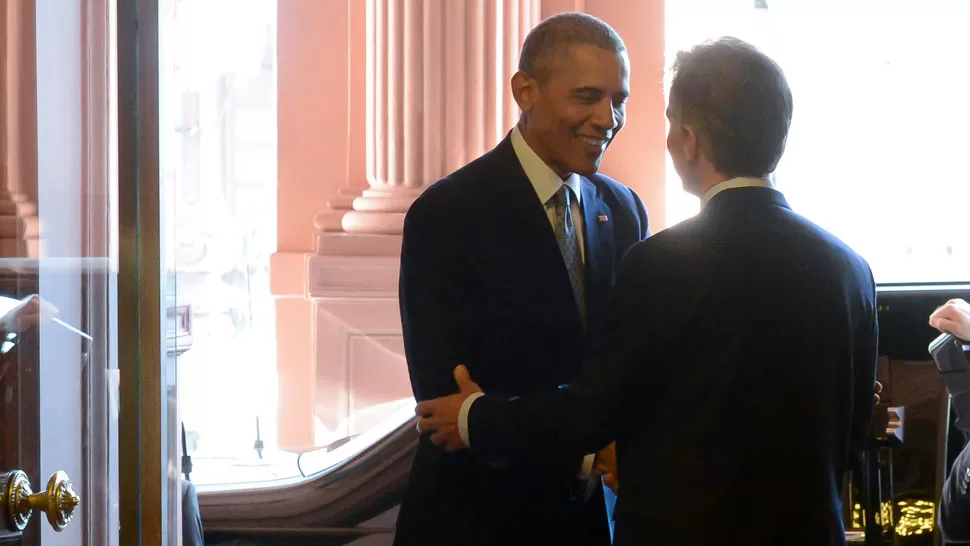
740 182
545 181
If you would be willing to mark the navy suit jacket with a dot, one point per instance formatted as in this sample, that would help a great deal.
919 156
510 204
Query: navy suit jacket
192 534
736 378
483 283
955 501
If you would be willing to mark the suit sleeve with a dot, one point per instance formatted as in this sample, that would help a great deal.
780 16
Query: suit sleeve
955 503
192 534
435 299
866 361
585 415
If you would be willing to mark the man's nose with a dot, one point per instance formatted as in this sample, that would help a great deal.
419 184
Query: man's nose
604 116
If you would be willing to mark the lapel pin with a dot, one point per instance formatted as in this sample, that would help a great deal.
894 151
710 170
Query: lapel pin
602 218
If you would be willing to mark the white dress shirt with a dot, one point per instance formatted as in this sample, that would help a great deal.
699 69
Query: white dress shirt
546 184
740 182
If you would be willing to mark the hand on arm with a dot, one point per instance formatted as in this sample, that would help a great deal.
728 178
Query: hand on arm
584 416
440 417
446 419
441 310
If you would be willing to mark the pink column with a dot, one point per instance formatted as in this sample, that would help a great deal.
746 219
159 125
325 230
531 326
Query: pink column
429 84
316 54
437 96
19 227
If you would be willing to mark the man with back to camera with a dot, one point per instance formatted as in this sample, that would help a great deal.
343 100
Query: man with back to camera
953 317
723 327
504 266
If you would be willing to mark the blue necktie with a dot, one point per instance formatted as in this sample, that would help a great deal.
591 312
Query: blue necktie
568 237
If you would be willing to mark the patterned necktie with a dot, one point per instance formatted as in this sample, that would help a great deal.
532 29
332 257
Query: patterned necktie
568 238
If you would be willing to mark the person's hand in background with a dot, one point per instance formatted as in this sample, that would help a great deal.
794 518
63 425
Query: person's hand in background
27 314
953 317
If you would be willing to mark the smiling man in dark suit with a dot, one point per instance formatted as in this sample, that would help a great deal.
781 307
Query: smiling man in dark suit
505 264
736 375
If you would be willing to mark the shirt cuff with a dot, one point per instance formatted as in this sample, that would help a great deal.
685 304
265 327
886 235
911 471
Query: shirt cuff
466 406
588 461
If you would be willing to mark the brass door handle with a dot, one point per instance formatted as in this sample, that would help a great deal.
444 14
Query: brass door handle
18 501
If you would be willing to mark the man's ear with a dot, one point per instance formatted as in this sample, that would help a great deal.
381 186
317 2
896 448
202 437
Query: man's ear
690 142
524 90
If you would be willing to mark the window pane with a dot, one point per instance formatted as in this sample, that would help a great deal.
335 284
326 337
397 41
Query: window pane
219 163
219 152
878 122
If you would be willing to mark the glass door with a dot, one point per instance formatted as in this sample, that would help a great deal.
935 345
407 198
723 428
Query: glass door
88 450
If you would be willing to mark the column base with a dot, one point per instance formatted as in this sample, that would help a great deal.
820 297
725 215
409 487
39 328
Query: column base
329 220
360 374
359 244
20 227
380 210
385 223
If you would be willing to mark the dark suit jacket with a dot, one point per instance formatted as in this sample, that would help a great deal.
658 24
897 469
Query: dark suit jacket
955 504
736 377
191 517
483 283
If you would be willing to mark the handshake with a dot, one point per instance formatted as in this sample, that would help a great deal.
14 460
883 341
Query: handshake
605 465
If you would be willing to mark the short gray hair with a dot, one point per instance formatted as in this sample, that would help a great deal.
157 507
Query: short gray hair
557 33
738 101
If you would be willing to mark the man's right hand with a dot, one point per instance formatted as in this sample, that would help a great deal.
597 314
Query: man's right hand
953 317
440 416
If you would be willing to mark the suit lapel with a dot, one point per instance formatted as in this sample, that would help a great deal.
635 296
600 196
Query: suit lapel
598 230
528 239
530 236
522 210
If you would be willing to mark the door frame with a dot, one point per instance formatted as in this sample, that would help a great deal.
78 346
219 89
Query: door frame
143 447
98 204
127 50
131 284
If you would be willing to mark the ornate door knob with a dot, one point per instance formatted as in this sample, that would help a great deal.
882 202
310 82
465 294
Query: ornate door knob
18 501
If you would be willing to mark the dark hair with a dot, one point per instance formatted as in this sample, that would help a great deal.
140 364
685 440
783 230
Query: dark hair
555 34
739 103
